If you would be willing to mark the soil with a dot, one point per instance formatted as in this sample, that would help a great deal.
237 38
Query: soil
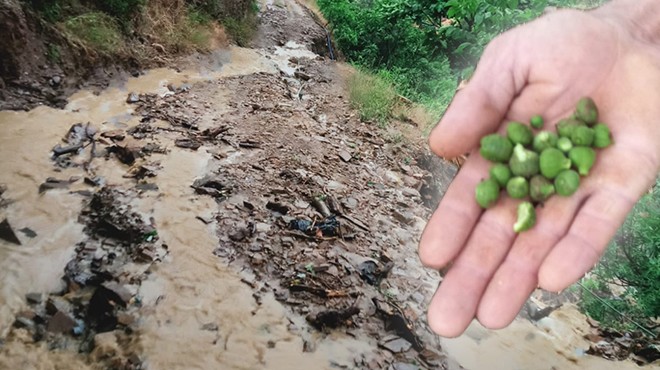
233 214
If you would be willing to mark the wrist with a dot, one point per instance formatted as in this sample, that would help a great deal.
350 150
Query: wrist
639 18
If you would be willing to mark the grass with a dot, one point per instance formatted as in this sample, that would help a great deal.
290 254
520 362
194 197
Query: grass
53 53
97 30
241 30
372 96
176 26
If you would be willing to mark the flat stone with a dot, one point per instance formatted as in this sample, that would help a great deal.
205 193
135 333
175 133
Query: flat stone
397 345
34 298
344 155
7 233
125 319
404 366
350 203
211 326
404 217
55 304
121 291
410 192
61 323
334 185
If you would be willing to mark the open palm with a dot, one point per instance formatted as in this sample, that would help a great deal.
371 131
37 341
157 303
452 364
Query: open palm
543 67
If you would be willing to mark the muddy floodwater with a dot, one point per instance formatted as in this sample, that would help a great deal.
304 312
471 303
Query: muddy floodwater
212 300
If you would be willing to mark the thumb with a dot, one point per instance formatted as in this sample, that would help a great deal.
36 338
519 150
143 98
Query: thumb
479 108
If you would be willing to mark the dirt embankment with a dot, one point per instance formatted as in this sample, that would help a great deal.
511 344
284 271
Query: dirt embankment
42 62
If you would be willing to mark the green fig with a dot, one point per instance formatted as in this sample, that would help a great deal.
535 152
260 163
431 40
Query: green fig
519 133
537 122
524 162
564 144
496 148
566 126
517 187
567 183
544 140
487 192
602 136
526 217
501 173
583 136
586 111
540 188
552 161
583 159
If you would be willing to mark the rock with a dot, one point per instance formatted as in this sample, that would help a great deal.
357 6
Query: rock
344 155
262 227
211 326
125 319
334 185
395 344
302 75
33 298
281 295
117 135
55 81
405 218
404 366
301 204
257 259
410 192
187 143
350 203
7 233
28 232
431 358
278 207
132 98
57 304
121 291
61 323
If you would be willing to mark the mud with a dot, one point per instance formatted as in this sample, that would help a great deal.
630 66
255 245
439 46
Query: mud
284 238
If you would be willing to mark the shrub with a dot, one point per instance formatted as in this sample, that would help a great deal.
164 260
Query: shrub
97 30
241 30
121 9
632 265
372 96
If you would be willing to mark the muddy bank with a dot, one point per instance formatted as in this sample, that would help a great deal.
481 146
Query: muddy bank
44 59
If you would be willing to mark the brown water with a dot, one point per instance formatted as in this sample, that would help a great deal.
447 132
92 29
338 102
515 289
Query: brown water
554 343
192 288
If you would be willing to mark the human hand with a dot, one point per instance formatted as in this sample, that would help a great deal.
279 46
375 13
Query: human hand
544 67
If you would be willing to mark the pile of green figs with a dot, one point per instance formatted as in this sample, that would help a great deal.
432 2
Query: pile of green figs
533 167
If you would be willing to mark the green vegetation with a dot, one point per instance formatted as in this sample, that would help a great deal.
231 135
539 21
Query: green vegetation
170 26
241 30
372 96
53 53
97 30
627 277
424 47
